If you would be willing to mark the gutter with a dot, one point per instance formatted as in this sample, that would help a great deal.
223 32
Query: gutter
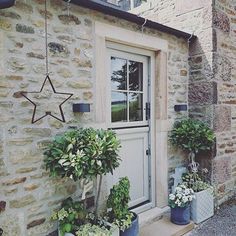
112 10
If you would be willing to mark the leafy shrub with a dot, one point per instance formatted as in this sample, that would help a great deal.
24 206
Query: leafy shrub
192 136
83 153
118 199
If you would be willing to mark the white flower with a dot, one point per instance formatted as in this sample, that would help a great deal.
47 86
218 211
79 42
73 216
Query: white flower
178 189
172 196
187 191
185 199
190 198
178 195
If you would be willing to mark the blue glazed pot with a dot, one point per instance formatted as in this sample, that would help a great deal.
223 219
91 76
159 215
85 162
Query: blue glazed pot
133 230
180 215
6 3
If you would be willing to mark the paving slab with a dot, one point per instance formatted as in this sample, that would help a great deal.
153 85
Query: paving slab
164 227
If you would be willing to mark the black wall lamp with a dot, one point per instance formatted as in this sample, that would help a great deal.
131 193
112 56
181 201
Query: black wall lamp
6 3
81 107
182 107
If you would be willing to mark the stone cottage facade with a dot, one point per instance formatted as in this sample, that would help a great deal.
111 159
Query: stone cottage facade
212 66
78 42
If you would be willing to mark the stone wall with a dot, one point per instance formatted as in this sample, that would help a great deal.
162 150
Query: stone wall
224 26
212 68
27 194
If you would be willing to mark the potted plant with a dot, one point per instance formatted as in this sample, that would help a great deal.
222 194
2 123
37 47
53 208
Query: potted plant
74 219
118 210
85 153
202 207
179 202
192 136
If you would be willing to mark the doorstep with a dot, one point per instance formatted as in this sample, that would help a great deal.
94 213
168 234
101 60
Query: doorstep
152 215
165 228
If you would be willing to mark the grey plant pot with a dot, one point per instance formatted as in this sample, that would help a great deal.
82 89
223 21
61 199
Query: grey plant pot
202 207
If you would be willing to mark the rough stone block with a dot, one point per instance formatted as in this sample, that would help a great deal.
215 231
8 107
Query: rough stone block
2 206
58 49
69 19
24 29
222 68
35 223
203 93
221 21
14 181
221 170
22 202
222 118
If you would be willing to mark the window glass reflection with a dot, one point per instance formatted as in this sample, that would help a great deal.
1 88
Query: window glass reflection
118 106
135 107
118 73
135 76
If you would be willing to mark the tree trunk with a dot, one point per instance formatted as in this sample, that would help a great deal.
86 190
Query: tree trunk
98 195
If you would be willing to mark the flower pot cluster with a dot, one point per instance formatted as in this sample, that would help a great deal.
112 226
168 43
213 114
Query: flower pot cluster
193 136
88 154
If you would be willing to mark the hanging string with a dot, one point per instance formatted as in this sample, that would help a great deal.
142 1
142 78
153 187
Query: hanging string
46 38
145 21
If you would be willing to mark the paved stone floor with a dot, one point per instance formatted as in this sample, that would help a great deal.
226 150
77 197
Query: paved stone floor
223 223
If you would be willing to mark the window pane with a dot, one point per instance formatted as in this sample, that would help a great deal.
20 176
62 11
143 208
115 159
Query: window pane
118 73
135 76
118 106
135 107
125 5
138 2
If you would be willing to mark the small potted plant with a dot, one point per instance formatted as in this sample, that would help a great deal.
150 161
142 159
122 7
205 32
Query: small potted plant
118 209
202 206
75 220
85 153
192 136
179 202
70 216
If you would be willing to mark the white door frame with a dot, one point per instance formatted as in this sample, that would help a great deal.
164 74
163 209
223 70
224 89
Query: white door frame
130 53
157 48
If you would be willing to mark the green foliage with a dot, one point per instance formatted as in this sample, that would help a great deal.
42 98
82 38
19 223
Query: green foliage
83 153
192 136
70 216
195 181
93 230
118 203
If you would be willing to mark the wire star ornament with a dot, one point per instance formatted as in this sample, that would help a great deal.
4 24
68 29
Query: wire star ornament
42 91
46 93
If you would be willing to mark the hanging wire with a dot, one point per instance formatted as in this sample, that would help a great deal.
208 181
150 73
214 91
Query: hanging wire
46 38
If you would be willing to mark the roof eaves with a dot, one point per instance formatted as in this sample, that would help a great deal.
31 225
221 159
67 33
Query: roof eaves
112 10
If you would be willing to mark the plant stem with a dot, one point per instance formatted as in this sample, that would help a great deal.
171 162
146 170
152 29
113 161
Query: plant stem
98 195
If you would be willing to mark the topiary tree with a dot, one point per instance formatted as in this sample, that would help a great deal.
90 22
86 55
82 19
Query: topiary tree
192 136
85 153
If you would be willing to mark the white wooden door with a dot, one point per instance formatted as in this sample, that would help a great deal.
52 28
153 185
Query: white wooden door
128 116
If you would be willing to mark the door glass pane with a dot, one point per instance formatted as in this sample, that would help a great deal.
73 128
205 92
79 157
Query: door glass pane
118 106
135 107
118 73
135 76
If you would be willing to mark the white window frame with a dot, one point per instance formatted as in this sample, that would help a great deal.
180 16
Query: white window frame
119 52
